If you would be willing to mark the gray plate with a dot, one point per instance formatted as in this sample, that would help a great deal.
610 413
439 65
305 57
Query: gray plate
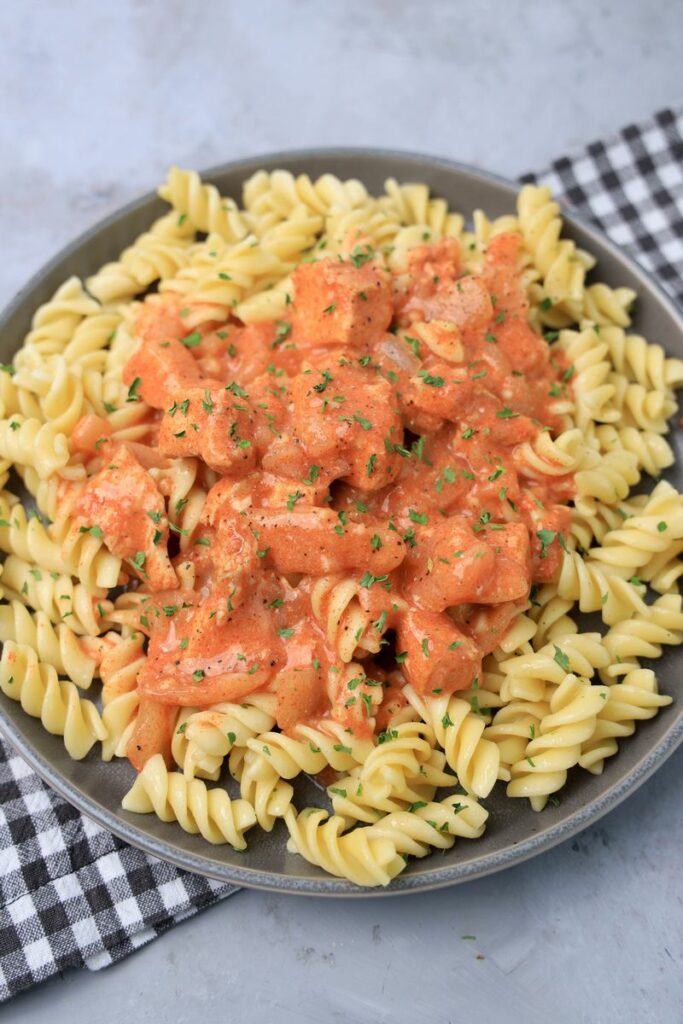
514 831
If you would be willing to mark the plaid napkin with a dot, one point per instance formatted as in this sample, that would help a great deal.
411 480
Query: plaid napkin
72 894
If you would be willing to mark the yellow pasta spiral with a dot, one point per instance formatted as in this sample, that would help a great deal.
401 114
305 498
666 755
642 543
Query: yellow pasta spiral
62 600
634 699
33 443
335 604
459 732
197 809
62 711
362 858
574 707
57 646
55 322
202 739
203 205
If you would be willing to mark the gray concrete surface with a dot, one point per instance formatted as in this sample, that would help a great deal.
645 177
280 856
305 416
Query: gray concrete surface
97 99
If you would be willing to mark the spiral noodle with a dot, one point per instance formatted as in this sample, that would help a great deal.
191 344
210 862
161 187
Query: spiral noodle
598 589
607 478
528 677
263 787
641 362
86 557
59 390
653 453
58 646
365 797
550 612
458 731
562 267
371 223
119 717
642 536
400 754
574 707
348 628
638 407
362 858
634 699
511 729
609 306
42 695
663 571
592 381
185 497
33 443
203 739
120 665
155 255
88 345
56 595
311 751
434 825
545 457
643 635
279 193
56 321
198 810
203 205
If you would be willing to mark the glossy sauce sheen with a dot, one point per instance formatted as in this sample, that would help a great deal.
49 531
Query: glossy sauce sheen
375 435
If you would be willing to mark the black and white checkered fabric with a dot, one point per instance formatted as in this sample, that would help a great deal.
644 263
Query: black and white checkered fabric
632 187
71 894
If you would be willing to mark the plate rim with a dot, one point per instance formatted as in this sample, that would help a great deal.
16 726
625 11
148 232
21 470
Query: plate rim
439 877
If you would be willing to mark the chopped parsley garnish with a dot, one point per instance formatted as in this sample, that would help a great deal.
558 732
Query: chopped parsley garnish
561 658
546 538
365 424
192 340
367 580
95 531
293 498
430 380
313 474
236 390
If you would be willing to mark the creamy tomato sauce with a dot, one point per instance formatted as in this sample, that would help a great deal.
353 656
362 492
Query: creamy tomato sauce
376 434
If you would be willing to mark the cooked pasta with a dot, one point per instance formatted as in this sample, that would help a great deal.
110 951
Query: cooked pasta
324 482
58 704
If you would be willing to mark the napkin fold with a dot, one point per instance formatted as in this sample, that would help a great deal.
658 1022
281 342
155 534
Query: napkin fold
72 894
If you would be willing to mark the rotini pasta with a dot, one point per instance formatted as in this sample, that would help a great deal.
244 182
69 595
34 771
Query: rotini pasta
323 480
197 809
59 706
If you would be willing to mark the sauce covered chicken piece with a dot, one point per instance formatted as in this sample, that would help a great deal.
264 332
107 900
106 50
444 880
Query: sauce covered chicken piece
162 363
215 423
122 505
340 304
436 656
345 414
318 542
451 564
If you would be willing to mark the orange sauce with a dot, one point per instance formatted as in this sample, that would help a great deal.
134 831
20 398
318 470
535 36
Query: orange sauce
376 434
